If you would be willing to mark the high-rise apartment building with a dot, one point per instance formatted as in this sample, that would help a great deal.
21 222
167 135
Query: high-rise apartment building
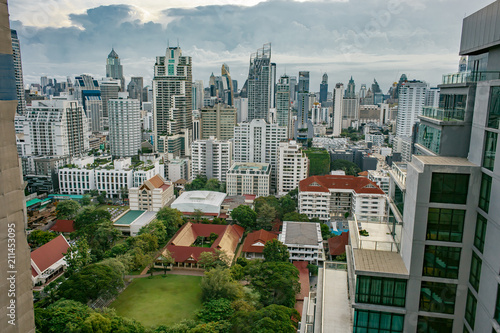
109 90
114 69
293 166
350 110
338 109
350 92
249 178
124 127
259 83
227 85
211 158
283 101
18 72
198 94
56 127
303 82
411 101
218 122
17 307
258 142
172 102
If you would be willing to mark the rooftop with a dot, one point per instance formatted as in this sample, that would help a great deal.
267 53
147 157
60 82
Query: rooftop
250 166
301 233
255 241
383 262
201 197
360 185
440 160
63 226
48 254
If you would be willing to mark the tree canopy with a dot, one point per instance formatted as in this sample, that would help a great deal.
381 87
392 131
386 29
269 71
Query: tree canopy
171 219
218 283
244 216
38 238
349 168
274 250
273 318
67 209
319 161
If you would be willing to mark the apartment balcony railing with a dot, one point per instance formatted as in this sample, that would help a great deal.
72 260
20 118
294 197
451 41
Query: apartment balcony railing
466 77
444 115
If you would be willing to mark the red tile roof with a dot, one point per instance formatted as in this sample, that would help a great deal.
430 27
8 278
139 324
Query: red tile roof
337 244
360 185
259 236
250 196
50 253
63 226
363 173
227 240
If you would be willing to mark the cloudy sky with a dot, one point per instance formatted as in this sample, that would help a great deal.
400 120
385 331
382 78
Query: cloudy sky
364 38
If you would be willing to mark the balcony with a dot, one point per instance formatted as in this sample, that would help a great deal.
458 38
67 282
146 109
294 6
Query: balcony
443 114
468 77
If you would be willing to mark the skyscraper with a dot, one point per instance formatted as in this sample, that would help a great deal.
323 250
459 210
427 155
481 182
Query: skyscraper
283 101
259 83
135 87
18 71
114 69
338 108
227 85
411 101
303 81
323 89
109 90
172 102
17 304
350 92
124 127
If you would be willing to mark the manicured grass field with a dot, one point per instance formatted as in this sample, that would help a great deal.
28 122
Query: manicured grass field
160 300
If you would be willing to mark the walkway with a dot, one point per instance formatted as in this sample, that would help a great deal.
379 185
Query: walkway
337 312
191 272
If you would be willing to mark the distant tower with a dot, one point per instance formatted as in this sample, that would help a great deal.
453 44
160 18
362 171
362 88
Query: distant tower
18 72
135 87
462 65
259 83
350 92
303 81
338 107
227 84
283 101
114 69
323 89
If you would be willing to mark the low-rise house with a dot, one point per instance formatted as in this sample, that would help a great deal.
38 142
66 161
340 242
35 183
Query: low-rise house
303 240
253 246
154 194
47 262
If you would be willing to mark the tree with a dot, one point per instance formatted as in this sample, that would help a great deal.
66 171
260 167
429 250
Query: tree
265 215
156 228
222 326
197 184
165 259
274 250
313 269
276 282
62 316
218 258
171 218
96 322
294 216
273 318
325 231
77 256
218 283
213 185
38 238
216 310
349 168
86 200
197 215
244 216
67 210
287 205
294 195
89 217
270 200
91 282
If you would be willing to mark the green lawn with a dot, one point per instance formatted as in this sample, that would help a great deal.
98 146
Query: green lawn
160 300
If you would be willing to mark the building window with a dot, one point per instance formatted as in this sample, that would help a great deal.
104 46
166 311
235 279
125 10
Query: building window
437 297
433 325
445 224
480 234
475 271
383 291
399 199
484 194
497 307
449 188
374 321
494 109
429 137
490 148
470 309
441 261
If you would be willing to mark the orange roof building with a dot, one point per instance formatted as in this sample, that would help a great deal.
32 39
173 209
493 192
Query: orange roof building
47 262
337 244
330 196
253 247
154 194
186 253
63 226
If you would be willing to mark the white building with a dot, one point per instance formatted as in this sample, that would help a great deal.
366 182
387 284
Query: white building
56 127
257 142
403 145
179 168
154 194
338 107
380 178
303 240
124 127
411 101
376 138
208 202
293 166
249 178
146 171
211 158
330 196
115 180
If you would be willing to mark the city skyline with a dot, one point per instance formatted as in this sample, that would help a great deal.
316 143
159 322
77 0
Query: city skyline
379 39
